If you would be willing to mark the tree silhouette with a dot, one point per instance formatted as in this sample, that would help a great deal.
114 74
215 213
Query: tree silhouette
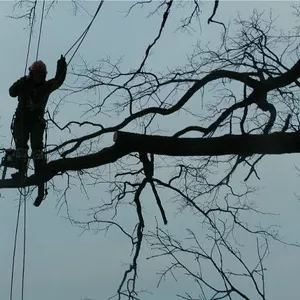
251 112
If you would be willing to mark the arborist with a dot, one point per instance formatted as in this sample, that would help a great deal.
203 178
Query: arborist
33 91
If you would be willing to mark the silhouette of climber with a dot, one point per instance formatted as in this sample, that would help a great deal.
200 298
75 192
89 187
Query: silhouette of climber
33 92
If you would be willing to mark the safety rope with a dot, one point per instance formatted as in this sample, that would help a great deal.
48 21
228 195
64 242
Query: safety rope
83 35
46 142
30 37
24 245
37 54
24 194
40 33
15 248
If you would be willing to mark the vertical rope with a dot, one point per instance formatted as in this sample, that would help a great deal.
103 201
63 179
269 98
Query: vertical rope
24 193
40 33
24 245
45 157
30 37
20 198
15 248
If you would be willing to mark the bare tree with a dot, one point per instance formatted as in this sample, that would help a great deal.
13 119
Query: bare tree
254 76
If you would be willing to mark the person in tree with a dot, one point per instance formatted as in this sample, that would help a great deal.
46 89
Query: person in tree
33 92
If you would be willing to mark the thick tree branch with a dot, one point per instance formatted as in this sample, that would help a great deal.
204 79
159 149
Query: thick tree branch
285 79
126 142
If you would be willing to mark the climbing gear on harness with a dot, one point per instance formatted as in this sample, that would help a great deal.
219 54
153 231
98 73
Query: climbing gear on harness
38 155
8 161
21 153
16 159
21 162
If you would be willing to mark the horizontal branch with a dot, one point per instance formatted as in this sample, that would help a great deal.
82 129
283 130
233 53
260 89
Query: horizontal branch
126 143
284 79
212 76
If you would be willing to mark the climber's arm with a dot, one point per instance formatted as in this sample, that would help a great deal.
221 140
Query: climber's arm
60 76
17 87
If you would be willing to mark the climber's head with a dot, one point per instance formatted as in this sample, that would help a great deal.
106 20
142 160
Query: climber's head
38 71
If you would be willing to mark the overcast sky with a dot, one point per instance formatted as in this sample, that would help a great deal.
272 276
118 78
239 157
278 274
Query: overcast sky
61 263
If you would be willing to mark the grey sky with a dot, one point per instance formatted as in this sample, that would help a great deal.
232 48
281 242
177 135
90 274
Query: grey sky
60 263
